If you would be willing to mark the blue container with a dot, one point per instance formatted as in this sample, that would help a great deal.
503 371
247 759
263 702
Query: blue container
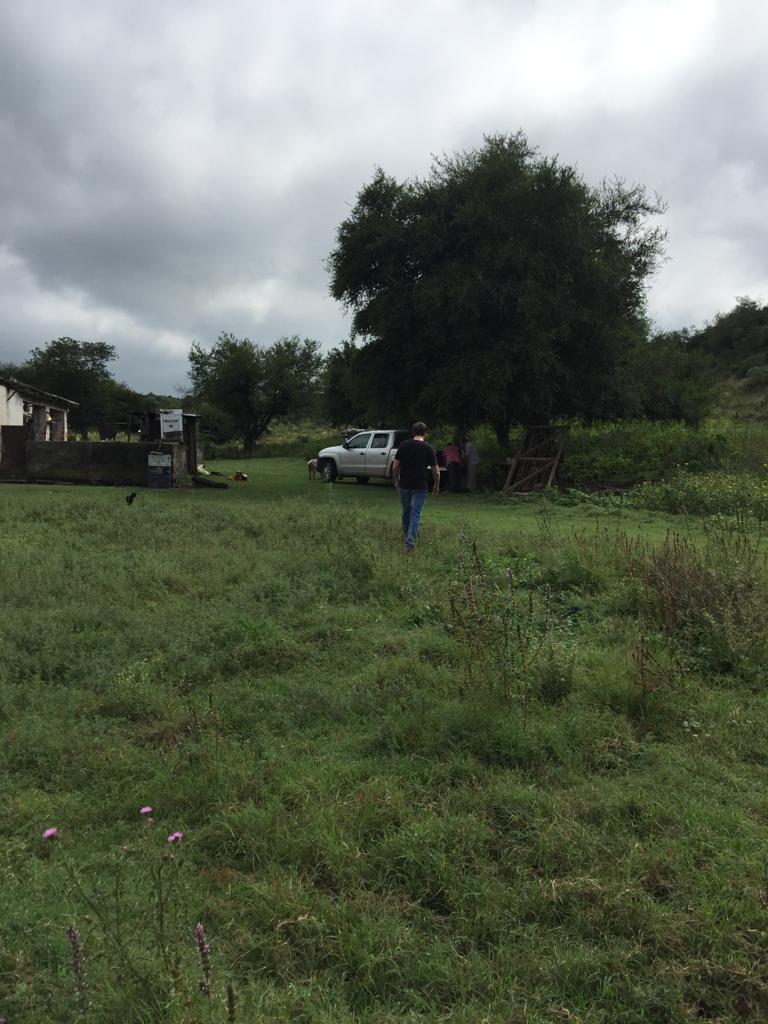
159 470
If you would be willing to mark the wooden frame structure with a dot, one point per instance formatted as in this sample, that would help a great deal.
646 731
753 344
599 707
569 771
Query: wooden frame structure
536 460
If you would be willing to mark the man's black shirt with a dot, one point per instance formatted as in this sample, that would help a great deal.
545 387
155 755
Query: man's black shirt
416 458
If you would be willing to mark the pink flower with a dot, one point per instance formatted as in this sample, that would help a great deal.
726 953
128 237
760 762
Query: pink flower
50 833
175 837
145 810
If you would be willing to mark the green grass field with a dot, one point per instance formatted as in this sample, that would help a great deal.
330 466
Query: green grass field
519 776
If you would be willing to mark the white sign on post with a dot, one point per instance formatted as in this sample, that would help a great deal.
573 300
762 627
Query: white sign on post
171 425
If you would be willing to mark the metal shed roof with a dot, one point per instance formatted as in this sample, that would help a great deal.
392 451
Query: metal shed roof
22 388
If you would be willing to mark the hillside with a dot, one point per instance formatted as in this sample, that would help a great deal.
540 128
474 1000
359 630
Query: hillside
736 343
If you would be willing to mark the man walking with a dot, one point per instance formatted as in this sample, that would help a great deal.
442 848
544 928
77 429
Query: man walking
410 473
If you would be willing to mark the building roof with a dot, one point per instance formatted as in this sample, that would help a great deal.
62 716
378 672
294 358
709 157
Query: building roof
22 388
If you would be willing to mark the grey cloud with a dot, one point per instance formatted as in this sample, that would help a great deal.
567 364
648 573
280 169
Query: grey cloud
170 171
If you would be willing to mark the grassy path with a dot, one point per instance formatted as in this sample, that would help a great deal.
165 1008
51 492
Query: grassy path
278 479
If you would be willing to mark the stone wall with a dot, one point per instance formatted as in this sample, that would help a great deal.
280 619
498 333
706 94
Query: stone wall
99 462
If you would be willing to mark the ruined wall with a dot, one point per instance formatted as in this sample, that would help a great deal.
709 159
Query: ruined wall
98 462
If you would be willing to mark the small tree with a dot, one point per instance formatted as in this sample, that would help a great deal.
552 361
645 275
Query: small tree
253 384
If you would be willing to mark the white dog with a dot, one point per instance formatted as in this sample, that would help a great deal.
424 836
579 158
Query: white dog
312 468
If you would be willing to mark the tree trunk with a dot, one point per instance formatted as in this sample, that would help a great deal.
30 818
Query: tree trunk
501 429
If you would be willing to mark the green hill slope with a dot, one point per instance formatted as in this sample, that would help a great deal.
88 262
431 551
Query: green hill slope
737 344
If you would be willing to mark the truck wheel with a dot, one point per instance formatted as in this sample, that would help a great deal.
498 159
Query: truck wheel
328 472
363 479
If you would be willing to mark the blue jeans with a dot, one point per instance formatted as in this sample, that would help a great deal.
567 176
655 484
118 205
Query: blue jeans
413 505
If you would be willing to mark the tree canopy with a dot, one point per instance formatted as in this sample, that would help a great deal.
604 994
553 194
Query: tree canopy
501 288
253 384
345 397
737 340
79 370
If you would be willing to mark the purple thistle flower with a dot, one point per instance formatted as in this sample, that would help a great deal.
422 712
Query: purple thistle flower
175 837
51 833
145 810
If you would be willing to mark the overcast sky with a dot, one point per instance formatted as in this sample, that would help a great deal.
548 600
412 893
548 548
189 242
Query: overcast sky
170 170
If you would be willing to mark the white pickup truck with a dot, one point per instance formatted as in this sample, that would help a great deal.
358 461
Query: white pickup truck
366 454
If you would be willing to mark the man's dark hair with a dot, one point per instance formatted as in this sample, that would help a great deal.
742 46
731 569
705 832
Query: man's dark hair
418 428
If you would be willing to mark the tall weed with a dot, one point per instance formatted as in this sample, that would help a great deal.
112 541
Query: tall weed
706 494
499 632
710 598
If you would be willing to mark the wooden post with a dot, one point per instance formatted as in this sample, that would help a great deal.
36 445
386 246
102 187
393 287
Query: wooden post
39 423
557 458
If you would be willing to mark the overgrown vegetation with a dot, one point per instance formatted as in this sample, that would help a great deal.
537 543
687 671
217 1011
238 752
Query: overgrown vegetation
517 778
635 451
726 494
601 455
301 439
736 345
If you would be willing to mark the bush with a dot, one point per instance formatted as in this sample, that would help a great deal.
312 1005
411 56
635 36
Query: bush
284 440
757 377
555 677
711 599
622 454
706 494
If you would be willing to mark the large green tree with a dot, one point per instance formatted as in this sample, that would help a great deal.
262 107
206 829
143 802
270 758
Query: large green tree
252 383
500 288
79 370
345 395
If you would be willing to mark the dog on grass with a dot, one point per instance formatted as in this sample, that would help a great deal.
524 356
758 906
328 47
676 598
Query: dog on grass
312 468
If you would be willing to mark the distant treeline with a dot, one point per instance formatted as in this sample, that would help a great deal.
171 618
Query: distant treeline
240 387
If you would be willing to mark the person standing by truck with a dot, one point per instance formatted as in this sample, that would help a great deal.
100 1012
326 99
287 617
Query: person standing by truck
414 462
452 457
471 462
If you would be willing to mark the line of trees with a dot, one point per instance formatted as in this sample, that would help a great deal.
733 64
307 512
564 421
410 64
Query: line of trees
500 289
237 386
240 387
251 385
79 370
